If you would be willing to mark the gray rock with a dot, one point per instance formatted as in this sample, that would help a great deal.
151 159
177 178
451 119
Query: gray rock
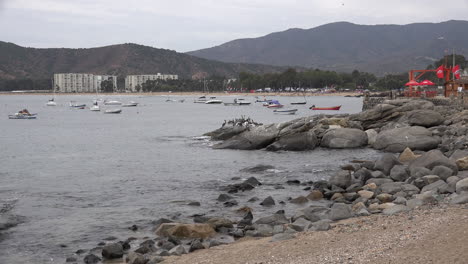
310 213
155 260
341 179
428 197
136 258
442 171
340 211
399 173
425 118
276 219
378 174
322 225
385 163
460 199
462 186
196 245
282 237
363 175
363 212
268 201
264 230
224 197
428 179
379 181
252 181
395 209
256 138
221 240
177 250
459 154
400 200
260 168
344 138
391 187
91 259
300 224
413 203
277 229
432 159
397 139
112 251
295 142
371 136
299 200
418 172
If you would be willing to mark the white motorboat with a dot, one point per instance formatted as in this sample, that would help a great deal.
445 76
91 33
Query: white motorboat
95 107
113 111
213 100
285 111
23 114
51 102
130 104
200 100
112 102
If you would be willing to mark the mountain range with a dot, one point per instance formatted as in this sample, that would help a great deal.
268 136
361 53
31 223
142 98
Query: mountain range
344 46
18 62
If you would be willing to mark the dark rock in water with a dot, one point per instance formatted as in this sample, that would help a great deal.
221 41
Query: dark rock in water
234 188
110 238
136 258
341 179
194 203
218 222
268 201
363 175
164 244
200 219
91 259
224 197
425 118
308 188
397 139
196 245
155 260
101 243
125 244
71 259
112 251
321 185
315 195
293 182
278 187
275 219
252 181
8 220
432 159
341 138
133 228
299 200
295 142
230 203
237 233
385 163
253 199
147 249
148 242
63 246
80 251
258 168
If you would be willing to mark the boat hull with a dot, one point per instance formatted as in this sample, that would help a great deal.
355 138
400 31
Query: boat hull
286 112
326 108
275 106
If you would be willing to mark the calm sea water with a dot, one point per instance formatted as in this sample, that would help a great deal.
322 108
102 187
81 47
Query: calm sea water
77 176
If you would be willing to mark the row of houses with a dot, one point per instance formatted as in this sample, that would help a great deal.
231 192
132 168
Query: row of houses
87 82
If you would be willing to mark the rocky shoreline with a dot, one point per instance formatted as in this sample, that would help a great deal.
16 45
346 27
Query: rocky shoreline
425 164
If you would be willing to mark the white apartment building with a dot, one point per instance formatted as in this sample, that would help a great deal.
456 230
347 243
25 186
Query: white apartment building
132 81
80 82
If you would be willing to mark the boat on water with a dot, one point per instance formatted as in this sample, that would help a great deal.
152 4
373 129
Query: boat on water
237 102
112 102
130 104
201 100
23 114
213 100
313 107
113 111
95 107
73 104
273 104
285 111
299 103
51 102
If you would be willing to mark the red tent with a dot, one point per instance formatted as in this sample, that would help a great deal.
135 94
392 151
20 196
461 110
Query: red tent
412 83
426 82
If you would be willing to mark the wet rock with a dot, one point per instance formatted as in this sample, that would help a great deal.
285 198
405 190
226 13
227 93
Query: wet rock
71 259
397 139
253 199
125 244
263 230
252 181
295 142
275 219
136 258
91 259
150 248
230 203
196 245
321 185
300 224
160 221
133 228
80 251
185 230
110 238
344 138
218 222
341 179
224 197
355 187
194 203
112 251
268 201
246 221
340 211
363 175
311 214
432 159
399 173
385 163
293 182
299 200
177 251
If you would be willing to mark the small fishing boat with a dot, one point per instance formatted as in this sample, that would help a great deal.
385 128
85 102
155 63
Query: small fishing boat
299 103
275 106
200 100
313 107
112 102
73 104
237 102
130 104
213 100
51 102
95 107
23 114
113 111
285 111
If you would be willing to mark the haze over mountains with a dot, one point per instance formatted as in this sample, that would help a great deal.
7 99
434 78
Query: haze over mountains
19 62
343 46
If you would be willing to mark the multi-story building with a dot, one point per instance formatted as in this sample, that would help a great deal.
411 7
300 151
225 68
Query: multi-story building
134 81
80 82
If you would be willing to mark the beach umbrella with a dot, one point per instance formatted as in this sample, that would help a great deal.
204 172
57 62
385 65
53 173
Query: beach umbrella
412 83
426 82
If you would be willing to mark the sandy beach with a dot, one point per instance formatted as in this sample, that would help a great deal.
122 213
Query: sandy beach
427 235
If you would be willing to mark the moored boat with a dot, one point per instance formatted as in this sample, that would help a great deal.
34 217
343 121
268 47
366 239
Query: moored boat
286 111
113 111
73 104
130 104
23 114
112 102
313 107
95 107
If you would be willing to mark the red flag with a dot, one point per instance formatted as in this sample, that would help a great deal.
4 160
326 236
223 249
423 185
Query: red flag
440 72
456 71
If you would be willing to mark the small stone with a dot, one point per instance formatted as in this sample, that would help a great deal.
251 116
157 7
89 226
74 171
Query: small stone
384 197
366 194
315 195
268 201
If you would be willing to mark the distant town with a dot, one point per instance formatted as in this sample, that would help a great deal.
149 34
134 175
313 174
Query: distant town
87 82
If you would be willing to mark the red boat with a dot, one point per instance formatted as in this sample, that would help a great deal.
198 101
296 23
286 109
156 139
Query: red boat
325 108
275 106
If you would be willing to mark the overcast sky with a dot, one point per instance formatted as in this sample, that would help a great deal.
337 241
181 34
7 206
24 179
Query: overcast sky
184 25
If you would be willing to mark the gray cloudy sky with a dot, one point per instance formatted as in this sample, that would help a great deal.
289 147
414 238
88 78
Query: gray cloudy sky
184 25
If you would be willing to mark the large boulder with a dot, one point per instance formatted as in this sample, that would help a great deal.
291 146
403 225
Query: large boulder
385 163
341 179
462 186
399 173
432 159
340 211
112 251
397 139
254 138
344 138
185 230
425 118
295 142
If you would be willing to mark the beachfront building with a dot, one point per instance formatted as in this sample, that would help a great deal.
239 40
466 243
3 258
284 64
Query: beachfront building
133 82
81 82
